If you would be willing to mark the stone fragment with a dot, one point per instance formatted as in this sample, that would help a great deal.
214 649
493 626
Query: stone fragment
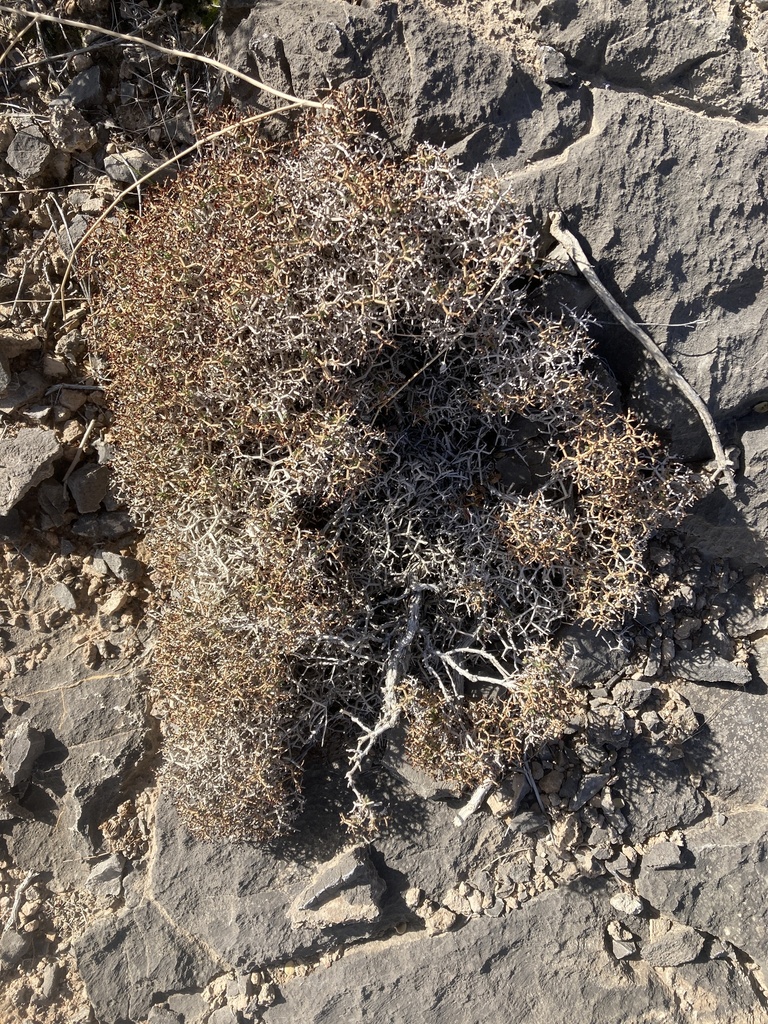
224 1015
51 976
590 786
27 387
126 959
25 460
627 903
127 569
719 883
345 891
13 948
658 793
680 945
68 129
663 856
88 486
84 91
439 921
505 799
62 597
30 154
108 526
164 1015
703 665
54 502
105 878
127 167
554 67
22 745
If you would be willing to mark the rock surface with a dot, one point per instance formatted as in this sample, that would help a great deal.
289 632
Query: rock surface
622 875
25 460
485 972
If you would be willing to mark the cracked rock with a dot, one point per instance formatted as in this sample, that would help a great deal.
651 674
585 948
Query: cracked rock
22 745
30 154
88 486
680 945
347 890
25 460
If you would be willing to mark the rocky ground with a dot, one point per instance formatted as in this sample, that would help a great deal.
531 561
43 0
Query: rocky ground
622 875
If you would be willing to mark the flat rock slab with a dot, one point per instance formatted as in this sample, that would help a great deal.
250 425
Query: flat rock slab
243 899
657 792
525 968
732 745
719 884
25 460
126 960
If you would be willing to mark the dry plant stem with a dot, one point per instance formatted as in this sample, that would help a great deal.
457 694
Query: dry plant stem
136 185
572 246
474 803
13 917
80 450
397 666
169 51
19 36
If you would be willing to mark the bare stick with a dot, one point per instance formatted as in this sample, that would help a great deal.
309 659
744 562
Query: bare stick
572 246
79 452
169 51
13 917
474 803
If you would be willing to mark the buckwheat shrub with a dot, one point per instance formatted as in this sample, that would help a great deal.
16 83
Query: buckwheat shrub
374 482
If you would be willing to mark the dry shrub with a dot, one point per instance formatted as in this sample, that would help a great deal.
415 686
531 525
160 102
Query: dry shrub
374 482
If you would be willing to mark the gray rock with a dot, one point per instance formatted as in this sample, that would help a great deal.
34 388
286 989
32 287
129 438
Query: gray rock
125 568
25 460
22 745
53 499
62 597
223 1016
590 786
164 1015
347 890
485 972
30 154
658 793
702 665
649 251
738 530
24 389
441 82
554 67
84 91
105 878
88 486
68 129
127 167
14 946
95 726
680 945
106 526
687 55
126 960
720 885
734 723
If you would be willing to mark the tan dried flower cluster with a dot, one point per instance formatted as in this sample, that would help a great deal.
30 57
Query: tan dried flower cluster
374 482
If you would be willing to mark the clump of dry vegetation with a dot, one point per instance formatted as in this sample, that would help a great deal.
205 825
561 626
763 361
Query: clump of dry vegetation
375 483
